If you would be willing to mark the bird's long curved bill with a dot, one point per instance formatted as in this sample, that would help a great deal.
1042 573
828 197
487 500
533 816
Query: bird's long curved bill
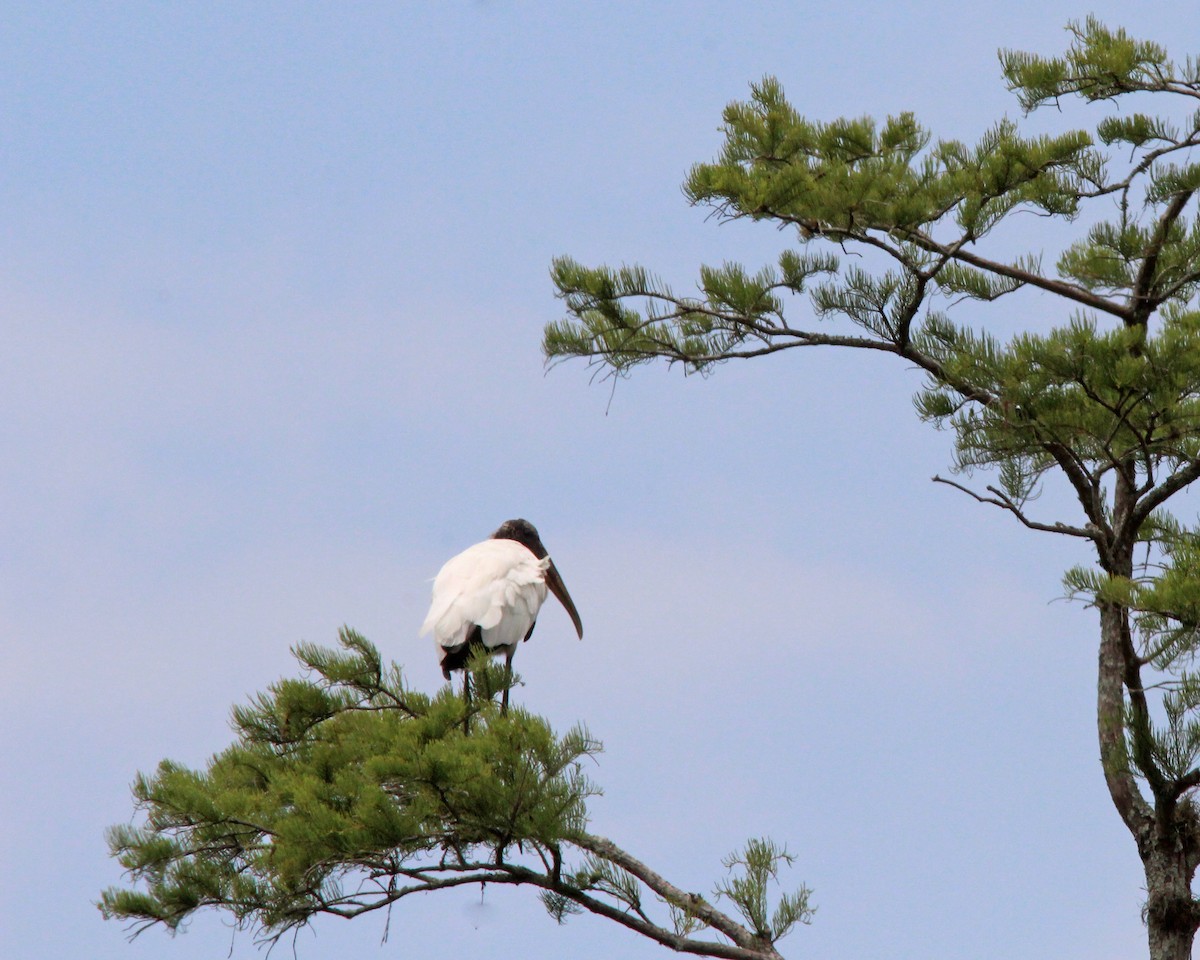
559 589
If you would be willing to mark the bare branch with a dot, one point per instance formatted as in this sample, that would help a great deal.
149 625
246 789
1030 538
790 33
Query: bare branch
1002 500
1160 494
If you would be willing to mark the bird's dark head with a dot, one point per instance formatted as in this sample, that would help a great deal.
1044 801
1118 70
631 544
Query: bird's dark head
525 533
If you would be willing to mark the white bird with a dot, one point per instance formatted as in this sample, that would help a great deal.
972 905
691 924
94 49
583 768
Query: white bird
489 596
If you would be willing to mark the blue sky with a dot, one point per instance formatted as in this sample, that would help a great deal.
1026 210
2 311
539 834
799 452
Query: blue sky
273 282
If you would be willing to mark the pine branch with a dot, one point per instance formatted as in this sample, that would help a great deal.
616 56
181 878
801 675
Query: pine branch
1110 715
1068 291
1139 723
693 903
512 874
1141 302
1163 492
1189 781
1002 500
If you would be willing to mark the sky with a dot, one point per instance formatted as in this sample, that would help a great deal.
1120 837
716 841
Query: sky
273 279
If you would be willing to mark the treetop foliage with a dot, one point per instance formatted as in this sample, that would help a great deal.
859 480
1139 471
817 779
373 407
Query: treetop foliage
1100 64
343 773
923 206
345 792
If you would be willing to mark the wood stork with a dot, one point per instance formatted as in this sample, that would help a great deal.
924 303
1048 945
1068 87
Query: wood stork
489 596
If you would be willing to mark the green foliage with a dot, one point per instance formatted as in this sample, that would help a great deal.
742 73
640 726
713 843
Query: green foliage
599 875
1110 397
1174 746
344 774
737 309
1164 602
1101 64
758 867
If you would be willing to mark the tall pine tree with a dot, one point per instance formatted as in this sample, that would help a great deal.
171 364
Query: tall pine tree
896 246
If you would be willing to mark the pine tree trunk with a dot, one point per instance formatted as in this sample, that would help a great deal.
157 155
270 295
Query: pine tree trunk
1171 916
1165 826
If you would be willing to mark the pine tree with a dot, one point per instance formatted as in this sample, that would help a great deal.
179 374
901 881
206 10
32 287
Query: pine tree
897 245
345 792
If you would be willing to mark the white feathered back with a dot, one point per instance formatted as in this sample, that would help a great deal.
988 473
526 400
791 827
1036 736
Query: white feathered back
498 584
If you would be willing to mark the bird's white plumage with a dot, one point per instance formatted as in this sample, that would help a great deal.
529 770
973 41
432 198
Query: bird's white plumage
498 585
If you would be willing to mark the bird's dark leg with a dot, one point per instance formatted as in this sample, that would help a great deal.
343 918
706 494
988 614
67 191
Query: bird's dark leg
507 680
467 700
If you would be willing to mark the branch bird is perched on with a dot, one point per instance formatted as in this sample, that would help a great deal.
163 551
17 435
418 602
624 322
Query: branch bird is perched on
489 596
